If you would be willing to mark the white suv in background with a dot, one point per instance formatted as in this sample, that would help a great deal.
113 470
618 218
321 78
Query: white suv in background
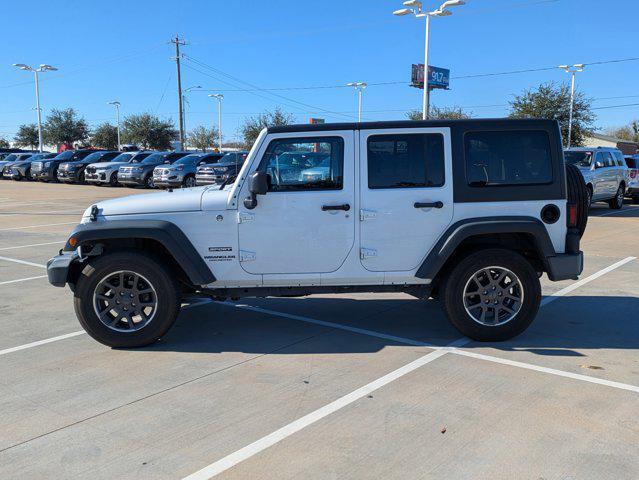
605 173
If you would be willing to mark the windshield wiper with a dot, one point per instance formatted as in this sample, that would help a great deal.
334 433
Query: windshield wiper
227 181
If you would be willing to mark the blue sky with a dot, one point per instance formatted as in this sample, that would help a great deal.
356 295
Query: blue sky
120 50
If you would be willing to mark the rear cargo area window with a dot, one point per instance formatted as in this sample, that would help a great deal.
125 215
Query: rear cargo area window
508 158
405 161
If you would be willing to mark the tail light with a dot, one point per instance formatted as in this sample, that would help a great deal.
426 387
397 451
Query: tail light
572 215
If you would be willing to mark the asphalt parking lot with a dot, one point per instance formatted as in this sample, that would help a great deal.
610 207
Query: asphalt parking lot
322 387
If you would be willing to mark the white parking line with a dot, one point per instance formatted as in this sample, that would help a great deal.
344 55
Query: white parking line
37 226
59 242
277 436
23 262
271 439
76 333
583 281
22 280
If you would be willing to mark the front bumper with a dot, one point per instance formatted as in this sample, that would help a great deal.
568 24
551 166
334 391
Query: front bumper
69 177
168 180
131 179
43 175
97 177
58 268
11 174
565 266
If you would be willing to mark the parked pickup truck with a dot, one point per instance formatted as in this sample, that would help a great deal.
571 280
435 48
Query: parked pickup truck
471 212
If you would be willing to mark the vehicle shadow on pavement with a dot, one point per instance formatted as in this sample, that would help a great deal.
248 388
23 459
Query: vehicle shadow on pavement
560 329
628 211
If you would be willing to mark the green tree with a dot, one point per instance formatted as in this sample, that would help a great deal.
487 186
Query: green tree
4 143
64 126
202 138
27 136
552 100
148 131
105 136
437 113
254 125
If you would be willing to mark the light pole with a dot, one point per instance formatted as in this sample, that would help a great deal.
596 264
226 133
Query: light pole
577 67
42 68
190 89
418 12
219 97
359 86
117 104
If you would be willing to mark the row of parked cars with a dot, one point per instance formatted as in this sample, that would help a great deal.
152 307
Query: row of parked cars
609 175
149 169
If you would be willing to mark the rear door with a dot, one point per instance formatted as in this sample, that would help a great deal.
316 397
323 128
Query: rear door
406 195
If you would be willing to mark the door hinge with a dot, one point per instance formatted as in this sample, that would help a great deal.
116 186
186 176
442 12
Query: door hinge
246 256
243 217
367 215
365 253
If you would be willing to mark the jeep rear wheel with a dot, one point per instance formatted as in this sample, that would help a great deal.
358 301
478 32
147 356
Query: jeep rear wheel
491 295
126 299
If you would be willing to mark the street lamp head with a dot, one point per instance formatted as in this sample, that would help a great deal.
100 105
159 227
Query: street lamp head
441 13
579 66
452 3
22 66
44 67
413 3
403 11
114 103
219 96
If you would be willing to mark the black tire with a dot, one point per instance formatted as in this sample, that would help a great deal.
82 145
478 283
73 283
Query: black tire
453 290
635 200
578 194
113 179
148 181
189 181
164 284
81 178
616 203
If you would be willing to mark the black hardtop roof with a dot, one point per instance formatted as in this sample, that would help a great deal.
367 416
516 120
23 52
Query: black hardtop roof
472 122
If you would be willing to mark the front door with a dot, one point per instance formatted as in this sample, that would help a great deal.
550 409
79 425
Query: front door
305 223
406 195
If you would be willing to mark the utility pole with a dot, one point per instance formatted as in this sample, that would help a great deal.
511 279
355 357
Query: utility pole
177 43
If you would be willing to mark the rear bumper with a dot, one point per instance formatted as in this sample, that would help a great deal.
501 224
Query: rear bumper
565 266
58 268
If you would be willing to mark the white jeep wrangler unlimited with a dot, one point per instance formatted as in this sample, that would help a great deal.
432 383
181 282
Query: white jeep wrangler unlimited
472 212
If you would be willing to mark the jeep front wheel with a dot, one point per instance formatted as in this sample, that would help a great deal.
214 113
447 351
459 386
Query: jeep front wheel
491 295
126 299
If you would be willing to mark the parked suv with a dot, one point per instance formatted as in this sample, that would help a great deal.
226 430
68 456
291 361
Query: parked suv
19 158
632 190
75 171
409 206
604 171
47 170
106 172
140 173
181 173
21 169
226 168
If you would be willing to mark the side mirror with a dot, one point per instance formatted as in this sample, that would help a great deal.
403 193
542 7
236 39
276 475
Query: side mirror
258 185
599 164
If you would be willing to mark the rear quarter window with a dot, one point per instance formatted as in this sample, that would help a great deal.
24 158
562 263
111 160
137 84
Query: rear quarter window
503 158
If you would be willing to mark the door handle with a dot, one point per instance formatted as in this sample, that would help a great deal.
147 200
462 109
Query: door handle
428 204
328 208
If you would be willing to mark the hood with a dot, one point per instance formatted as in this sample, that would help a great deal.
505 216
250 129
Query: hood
182 200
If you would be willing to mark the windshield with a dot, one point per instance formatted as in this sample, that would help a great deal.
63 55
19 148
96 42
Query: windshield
153 158
94 157
38 156
581 159
65 155
188 160
123 157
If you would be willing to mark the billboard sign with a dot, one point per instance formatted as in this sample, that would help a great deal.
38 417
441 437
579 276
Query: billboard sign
437 77
317 120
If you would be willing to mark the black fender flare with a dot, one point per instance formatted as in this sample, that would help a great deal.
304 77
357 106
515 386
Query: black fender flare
470 227
166 233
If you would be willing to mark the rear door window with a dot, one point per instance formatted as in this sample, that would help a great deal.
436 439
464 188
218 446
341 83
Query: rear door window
502 158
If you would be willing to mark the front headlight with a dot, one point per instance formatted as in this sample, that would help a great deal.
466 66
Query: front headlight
47 164
140 169
180 168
